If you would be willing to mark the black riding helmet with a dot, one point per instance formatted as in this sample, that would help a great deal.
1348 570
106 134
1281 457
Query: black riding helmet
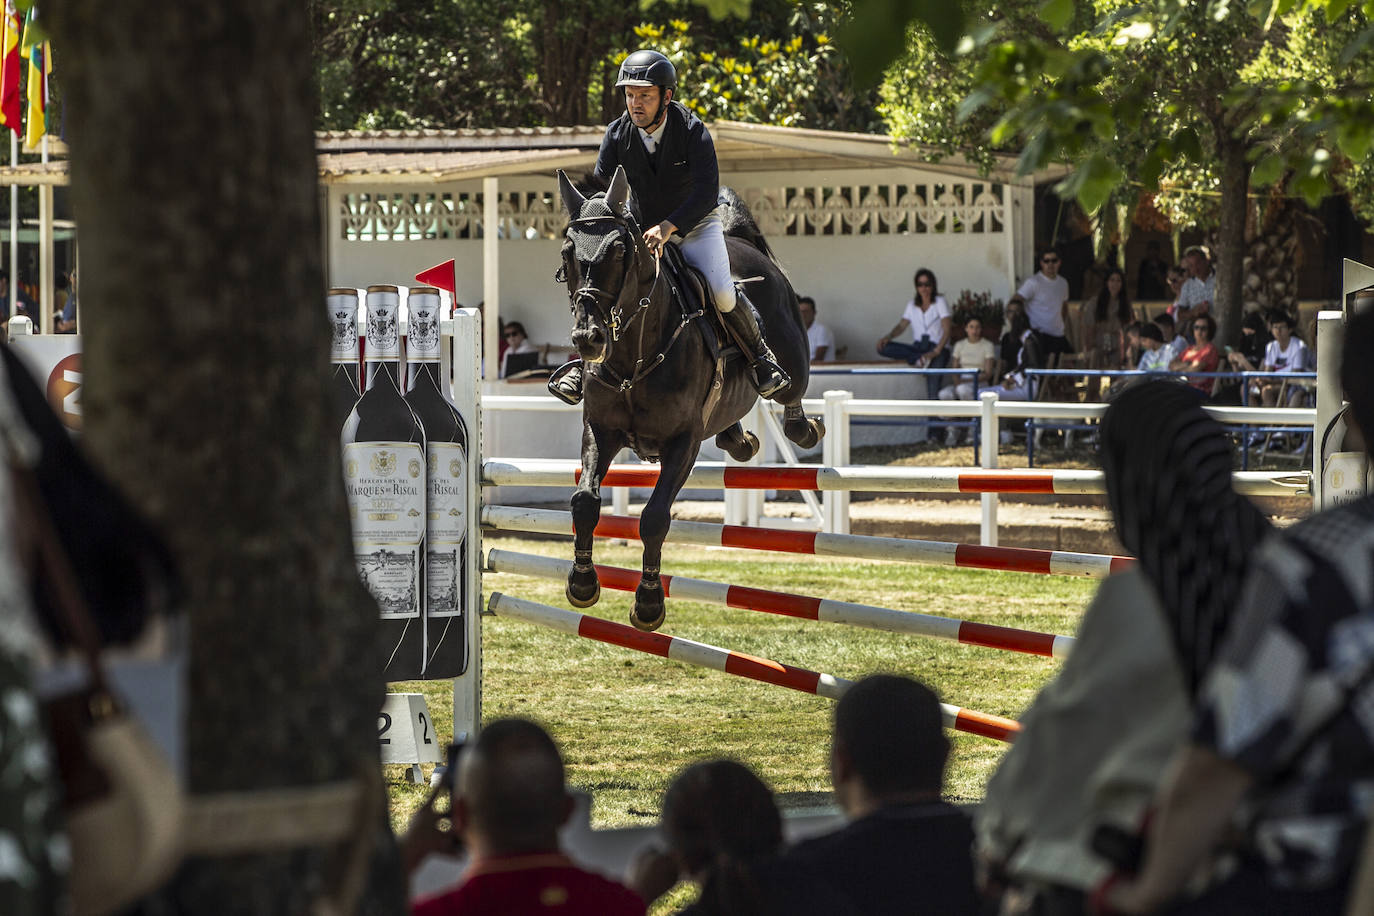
647 68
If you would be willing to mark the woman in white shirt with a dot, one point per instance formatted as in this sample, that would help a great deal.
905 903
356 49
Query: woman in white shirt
930 320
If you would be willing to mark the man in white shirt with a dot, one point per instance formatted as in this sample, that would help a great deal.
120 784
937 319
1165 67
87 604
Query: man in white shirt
1195 298
1285 353
1046 297
817 335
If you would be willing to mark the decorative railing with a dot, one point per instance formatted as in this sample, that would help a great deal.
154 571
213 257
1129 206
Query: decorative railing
383 215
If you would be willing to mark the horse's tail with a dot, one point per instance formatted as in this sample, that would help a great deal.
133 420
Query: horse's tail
737 221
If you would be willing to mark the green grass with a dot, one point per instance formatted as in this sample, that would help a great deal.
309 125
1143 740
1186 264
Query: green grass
627 722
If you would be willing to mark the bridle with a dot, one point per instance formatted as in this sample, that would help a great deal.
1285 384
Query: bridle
615 317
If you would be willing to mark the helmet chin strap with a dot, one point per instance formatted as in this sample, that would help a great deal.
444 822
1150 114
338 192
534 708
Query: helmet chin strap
664 98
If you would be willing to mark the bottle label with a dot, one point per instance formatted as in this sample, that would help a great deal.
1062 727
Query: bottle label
383 327
422 329
386 502
343 317
448 519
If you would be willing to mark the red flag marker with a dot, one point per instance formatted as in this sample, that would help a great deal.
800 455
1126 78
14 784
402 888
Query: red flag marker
443 276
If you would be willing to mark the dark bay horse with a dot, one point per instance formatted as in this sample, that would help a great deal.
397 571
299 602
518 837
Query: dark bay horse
652 382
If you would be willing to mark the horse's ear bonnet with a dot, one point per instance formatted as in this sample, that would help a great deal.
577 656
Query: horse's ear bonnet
589 245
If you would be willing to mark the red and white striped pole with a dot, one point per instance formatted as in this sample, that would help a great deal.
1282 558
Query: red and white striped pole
801 606
737 663
537 472
856 546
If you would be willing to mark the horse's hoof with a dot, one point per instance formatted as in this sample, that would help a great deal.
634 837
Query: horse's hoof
650 624
581 592
746 449
649 609
805 433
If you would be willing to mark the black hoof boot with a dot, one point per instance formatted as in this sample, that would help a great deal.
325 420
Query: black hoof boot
801 429
583 589
740 445
649 610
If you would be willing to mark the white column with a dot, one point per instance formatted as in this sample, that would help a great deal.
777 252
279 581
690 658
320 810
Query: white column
45 271
14 225
987 533
835 453
467 394
491 277
1009 234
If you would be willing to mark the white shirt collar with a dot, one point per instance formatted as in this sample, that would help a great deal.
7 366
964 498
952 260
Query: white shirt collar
650 140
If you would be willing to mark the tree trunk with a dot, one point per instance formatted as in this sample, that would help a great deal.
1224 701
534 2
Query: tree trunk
1228 259
194 179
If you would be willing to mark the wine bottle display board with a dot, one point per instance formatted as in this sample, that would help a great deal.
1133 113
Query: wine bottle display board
343 352
446 444
384 473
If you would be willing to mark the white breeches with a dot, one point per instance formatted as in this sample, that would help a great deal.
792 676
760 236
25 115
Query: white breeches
963 391
704 248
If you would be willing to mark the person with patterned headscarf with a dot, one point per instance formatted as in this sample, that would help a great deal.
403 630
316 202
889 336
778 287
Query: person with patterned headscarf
1281 748
1094 742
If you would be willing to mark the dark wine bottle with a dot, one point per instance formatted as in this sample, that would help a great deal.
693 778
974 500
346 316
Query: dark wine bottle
446 444
343 352
384 471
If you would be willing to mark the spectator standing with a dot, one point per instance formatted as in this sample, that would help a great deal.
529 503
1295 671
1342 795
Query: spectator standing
1285 353
1046 297
509 802
1104 326
903 850
1195 298
1151 279
725 833
1281 746
973 352
1202 356
513 334
821 340
1094 742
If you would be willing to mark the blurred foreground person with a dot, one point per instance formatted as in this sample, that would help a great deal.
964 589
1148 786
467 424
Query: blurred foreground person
1067 801
1277 777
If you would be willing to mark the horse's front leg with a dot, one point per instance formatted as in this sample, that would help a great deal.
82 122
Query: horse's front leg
599 448
678 455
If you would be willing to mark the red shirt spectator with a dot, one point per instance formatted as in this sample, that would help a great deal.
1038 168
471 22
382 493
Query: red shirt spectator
548 884
1202 356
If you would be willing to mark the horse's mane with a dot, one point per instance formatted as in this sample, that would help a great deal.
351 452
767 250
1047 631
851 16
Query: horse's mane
737 220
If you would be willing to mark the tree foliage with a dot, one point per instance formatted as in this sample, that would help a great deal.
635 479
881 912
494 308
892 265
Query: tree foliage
1195 102
464 63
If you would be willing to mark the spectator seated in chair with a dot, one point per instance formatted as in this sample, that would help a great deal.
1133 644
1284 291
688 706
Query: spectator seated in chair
973 352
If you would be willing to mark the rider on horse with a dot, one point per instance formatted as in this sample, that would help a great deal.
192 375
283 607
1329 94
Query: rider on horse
670 161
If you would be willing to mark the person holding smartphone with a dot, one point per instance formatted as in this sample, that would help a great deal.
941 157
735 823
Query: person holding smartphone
509 799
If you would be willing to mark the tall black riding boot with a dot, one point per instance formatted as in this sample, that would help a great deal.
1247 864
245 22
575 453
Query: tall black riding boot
767 375
566 382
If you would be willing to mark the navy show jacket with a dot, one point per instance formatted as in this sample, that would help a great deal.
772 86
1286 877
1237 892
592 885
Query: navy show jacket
679 182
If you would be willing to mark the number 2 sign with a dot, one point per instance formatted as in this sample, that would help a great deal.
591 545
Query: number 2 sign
406 731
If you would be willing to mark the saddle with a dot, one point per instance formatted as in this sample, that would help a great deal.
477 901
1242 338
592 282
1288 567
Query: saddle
692 294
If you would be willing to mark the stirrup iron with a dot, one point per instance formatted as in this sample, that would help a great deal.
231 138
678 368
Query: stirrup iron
566 382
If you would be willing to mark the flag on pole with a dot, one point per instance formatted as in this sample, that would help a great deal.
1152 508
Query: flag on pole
39 55
10 69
